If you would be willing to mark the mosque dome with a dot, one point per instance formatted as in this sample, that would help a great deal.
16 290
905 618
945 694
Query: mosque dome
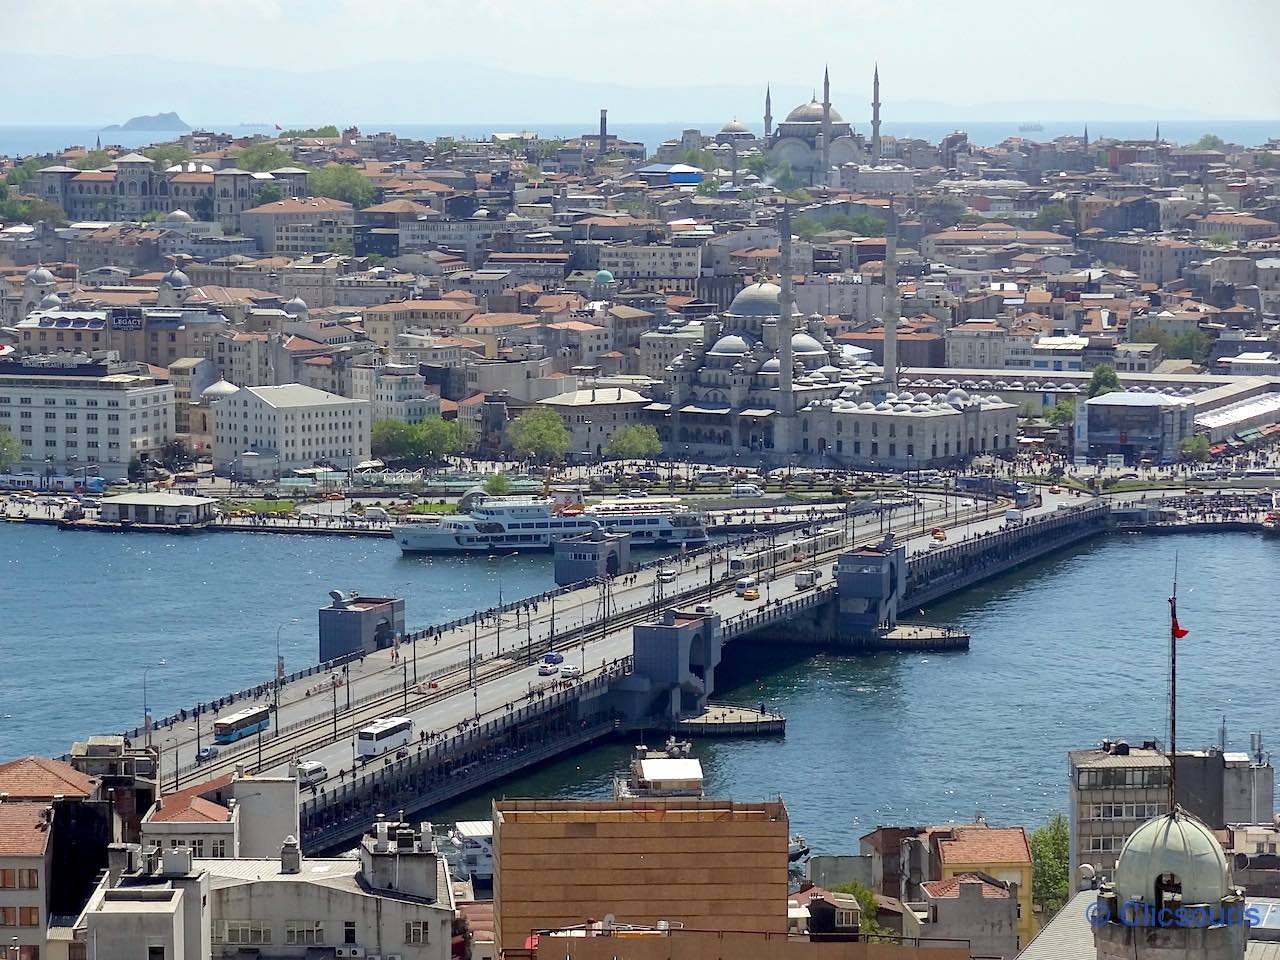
772 365
957 396
604 276
803 345
177 216
730 345
811 112
735 126
40 275
296 307
1177 844
176 279
756 300
216 391
50 301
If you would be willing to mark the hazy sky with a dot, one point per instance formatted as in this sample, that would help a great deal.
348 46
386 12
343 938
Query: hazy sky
1180 57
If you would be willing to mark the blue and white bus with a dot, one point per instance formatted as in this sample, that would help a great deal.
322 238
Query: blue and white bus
389 733
244 723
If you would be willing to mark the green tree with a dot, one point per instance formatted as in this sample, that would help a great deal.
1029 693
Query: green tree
709 187
151 216
392 439
262 156
538 433
1050 214
434 439
1104 381
703 159
757 164
1194 345
868 922
945 211
635 443
270 193
25 172
1050 865
800 194
10 450
166 155
31 210
328 132
497 485
203 208
93 160
864 224
1061 413
806 228
1196 448
1210 141
342 182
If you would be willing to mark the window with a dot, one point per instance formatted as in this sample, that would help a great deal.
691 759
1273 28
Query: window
155 953
8 879
349 932
219 851
845 918
8 916
417 931
246 931
28 916
29 879
304 931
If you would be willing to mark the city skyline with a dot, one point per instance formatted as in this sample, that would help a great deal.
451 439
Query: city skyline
560 76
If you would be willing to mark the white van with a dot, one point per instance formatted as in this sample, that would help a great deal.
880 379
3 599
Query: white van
743 585
377 513
667 575
311 772
746 491
806 578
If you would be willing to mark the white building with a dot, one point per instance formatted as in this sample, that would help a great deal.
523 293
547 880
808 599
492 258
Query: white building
593 416
233 816
393 900
74 413
654 266
396 390
272 430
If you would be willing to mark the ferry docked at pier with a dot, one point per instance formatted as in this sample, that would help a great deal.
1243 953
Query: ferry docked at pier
536 523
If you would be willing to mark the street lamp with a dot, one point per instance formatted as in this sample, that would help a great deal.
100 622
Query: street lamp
146 711
279 671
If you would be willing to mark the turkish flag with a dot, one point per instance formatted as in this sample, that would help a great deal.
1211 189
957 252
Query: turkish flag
1175 627
1178 631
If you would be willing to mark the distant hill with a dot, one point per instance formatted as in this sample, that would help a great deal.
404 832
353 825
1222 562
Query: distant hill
155 121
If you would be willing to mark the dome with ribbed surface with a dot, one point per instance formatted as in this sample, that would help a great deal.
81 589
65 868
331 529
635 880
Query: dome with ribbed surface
811 112
1176 844
40 275
756 300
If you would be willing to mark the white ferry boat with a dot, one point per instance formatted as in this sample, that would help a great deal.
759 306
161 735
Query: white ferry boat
535 523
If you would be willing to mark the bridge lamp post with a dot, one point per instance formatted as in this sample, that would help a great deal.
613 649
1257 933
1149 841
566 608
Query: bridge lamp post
146 712
279 671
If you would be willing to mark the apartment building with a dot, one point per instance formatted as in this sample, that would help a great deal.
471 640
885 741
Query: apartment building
977 345
72 412
397 391
658 267
384 322
267 223
1114 789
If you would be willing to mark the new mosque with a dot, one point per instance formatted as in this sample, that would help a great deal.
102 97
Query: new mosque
767 383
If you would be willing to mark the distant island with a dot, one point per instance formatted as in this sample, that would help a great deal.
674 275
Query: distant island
156 121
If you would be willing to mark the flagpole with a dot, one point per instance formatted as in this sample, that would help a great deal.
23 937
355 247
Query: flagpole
1173 688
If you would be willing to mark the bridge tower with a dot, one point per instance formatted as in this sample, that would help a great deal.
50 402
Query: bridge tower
870 582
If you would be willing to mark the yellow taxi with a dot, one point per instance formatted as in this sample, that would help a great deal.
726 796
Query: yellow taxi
751 593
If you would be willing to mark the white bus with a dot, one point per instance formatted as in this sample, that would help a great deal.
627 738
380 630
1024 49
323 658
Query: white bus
389 733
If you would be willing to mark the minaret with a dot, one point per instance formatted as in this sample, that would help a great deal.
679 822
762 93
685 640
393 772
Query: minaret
768 112
890 308
826 125
1086 136
786 359
1157 132
875 116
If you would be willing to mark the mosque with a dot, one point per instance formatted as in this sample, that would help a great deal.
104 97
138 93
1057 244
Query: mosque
766 384
814 137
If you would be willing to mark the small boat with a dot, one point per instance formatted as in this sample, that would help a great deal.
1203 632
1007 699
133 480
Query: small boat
1030 127
797 848
669 772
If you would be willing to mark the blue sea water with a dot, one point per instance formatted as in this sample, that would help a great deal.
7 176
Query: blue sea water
1065 652
29 139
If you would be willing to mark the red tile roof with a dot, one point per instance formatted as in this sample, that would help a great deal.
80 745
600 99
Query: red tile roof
39 778
188 808
23 830
974 844
950 887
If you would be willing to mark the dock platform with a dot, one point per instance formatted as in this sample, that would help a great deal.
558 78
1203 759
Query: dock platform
730 720
922 636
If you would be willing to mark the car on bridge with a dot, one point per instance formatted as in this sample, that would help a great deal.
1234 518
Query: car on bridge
570 672
548 669
751 593
553 657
